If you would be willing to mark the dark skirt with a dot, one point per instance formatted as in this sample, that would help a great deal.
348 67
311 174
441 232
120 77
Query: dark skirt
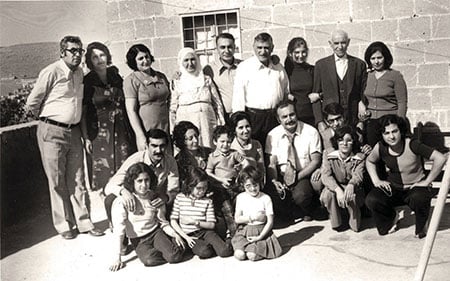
268 248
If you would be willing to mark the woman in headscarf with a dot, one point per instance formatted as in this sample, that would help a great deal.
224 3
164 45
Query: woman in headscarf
195 98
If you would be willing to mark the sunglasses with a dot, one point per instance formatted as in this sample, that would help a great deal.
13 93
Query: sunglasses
74 51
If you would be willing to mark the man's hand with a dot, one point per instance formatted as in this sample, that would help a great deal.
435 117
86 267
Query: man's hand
340 197
385 186
127 199
349 193
321 126
314 97
279 186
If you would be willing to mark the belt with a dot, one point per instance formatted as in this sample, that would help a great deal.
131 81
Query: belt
257 110
56 123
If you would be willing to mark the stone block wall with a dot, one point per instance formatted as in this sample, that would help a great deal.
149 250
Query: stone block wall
416 31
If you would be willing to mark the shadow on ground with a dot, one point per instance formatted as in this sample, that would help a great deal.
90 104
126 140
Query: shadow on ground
291 239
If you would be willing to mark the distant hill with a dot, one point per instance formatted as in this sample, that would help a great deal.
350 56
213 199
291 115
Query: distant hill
26 60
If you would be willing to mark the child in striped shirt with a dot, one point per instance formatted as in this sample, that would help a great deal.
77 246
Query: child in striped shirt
193 217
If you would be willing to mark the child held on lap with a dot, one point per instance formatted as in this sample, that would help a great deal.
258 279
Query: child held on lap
254 238
146 227
223 166
193 217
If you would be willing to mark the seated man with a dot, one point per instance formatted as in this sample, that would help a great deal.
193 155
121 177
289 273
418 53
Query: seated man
294 151
164 166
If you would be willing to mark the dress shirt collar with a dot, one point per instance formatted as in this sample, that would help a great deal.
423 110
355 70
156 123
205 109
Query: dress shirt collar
66 70
335 155
217 153
297 132
344 58
160 164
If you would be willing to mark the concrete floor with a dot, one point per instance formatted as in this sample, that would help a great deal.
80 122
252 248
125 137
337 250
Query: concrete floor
312 251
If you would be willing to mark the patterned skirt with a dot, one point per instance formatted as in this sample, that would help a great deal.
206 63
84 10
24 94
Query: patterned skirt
268 248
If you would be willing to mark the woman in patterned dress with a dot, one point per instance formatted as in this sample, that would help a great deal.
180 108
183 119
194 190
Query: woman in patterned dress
105 126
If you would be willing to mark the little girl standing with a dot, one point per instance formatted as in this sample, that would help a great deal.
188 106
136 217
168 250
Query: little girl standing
254 238
193 217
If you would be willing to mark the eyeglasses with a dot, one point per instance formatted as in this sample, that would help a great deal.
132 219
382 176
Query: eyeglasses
74 51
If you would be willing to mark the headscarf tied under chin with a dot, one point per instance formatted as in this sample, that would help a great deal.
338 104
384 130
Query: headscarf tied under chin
190 82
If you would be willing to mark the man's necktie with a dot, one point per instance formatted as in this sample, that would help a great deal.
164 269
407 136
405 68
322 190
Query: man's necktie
290 174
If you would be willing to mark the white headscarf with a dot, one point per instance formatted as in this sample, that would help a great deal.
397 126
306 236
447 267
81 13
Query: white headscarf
190 82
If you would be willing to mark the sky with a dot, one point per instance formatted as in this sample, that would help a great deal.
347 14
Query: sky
48 21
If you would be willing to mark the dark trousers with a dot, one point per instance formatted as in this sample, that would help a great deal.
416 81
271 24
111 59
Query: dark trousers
382 206
299 199
208 244
263 121
223 210
156 248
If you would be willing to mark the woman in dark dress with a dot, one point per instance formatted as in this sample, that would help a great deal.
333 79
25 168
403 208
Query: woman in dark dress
300 75
106 130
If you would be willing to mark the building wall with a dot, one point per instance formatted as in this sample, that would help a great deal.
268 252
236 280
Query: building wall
417 32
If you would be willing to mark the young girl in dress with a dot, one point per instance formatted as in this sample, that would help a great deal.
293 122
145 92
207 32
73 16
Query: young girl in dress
193 217
254 238
146 226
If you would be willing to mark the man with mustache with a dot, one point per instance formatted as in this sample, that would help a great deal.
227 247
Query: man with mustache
259 85
164 166
294 148
223 69
57 100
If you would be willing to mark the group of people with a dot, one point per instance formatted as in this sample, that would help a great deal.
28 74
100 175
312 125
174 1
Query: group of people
209 160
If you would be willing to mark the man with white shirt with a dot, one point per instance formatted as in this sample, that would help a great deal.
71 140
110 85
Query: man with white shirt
339 78
57 100
259 86
295 152
223 70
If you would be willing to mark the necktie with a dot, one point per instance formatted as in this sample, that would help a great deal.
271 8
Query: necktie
290 174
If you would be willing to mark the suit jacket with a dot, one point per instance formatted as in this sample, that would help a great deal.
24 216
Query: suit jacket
326 82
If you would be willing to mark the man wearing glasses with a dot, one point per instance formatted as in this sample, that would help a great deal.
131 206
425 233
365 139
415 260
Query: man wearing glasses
57 100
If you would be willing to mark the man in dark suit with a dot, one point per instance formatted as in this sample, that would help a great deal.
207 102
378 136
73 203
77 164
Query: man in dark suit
339 78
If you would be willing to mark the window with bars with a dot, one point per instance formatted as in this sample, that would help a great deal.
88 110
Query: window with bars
200 31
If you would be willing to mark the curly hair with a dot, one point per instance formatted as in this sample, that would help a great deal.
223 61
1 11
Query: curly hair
220 130
250 172
134 51
339 135
179 133
133 173
194 176
389 119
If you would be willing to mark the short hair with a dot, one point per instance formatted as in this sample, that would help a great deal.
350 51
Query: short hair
339 31
90 49
250 172
238 116
156 134
383 49
339 135
69 39
179 133
225 35
263 37
333 108
194 176
221 130
285 103
132 53
389 119
133 173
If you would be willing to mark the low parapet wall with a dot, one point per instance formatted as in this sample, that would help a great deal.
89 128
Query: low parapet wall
23 182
